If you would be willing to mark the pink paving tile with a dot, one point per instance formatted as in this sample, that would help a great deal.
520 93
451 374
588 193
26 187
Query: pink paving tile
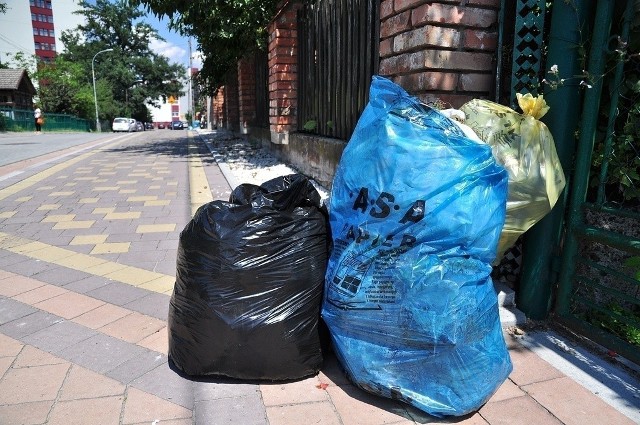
26 413
355 406
9 347
573 404
101 316
16 284
102 411
134 327
507 390
32 356
296 414
529 368
158 341
142 407
26 385
69 305
517 411
304 391
84 383
39 294
5 364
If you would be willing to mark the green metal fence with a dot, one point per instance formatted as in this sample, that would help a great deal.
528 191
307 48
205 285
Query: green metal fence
22 120
599 285
581 263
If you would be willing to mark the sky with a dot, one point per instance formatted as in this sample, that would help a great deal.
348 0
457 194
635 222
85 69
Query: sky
175 46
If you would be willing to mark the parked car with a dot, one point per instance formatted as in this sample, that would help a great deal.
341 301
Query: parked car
139 126
177 125
148 126
123 124
161 125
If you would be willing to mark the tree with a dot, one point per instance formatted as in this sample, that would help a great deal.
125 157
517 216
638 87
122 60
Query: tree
137 75
64 89
225 30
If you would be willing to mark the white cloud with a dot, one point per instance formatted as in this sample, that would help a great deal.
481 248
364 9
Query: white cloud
174 53
196 59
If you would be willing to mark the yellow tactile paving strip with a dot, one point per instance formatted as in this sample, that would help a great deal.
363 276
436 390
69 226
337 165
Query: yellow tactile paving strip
200 189
37 178
88 263
75 391
83 262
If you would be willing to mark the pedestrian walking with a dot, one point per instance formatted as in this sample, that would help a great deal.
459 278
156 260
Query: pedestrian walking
39 120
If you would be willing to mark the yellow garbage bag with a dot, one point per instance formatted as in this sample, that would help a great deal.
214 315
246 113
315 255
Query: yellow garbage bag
524 146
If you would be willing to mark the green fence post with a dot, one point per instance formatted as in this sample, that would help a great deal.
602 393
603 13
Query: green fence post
597 59
540 243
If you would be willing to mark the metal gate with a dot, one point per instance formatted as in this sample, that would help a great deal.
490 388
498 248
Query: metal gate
598 292
582 262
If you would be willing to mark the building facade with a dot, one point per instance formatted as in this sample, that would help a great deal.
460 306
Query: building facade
34 27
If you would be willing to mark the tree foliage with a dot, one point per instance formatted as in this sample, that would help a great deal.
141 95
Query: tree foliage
137 75
64 89
224 30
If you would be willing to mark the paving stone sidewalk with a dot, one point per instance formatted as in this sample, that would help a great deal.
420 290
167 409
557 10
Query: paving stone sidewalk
87 265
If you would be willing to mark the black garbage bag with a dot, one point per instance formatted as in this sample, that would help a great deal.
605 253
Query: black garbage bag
249 283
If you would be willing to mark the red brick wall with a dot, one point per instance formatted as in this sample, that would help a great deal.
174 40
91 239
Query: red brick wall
246 93
283 78
440 50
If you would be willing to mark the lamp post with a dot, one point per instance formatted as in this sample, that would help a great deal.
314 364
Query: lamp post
95 97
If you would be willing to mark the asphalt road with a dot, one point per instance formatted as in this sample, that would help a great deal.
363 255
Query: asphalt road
15 147
20 146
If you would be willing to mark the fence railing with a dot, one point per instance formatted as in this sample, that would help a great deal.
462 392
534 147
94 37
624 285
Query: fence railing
262 90
22 120
338 53
599 285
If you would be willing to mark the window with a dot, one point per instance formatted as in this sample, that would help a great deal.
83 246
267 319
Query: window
34 17
53 47
43 32
175 113
52 33
48 4
32 2
37 46
50 19
35 31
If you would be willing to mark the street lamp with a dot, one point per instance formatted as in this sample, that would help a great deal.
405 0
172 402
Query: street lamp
95 97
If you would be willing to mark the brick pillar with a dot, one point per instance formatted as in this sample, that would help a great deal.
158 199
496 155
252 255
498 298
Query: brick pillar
283 77
246 93
438 50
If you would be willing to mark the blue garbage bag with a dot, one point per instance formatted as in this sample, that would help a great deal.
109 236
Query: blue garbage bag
416 212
